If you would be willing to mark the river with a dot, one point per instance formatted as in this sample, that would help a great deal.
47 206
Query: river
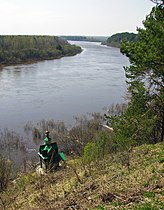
63 88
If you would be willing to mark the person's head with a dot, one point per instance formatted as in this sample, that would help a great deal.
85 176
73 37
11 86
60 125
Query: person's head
46 133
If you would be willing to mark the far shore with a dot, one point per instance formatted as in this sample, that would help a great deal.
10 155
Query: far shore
34 61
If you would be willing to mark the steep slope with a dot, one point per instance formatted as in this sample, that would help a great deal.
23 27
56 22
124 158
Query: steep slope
107 184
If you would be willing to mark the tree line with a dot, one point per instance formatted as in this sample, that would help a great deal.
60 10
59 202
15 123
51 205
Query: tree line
23 48
116 39
86 38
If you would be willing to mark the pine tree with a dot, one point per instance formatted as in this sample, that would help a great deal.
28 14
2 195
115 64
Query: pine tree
145 77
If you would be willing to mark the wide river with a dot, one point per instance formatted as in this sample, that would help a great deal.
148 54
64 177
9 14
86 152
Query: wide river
63 88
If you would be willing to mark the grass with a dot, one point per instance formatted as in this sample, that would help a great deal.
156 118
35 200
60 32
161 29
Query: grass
103 185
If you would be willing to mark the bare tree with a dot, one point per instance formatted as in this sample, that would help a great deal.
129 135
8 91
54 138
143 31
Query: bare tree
159 2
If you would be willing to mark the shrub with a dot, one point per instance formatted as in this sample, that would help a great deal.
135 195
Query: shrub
90 152
5 172
98 149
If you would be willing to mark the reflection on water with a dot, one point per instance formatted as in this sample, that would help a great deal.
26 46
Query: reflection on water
60 89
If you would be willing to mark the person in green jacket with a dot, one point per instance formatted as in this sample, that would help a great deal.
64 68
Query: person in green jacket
52 152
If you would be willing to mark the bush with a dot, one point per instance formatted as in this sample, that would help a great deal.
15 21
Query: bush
5 172
90 152
98 149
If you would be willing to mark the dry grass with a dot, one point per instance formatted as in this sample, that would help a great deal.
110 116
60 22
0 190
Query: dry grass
103 185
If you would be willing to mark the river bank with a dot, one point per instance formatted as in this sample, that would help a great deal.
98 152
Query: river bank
106 184
37 60
24 48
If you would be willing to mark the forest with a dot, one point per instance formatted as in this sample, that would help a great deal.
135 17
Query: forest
116 39
86 38
20 49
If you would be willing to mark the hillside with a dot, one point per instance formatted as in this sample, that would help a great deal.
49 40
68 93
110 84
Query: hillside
116 39
22 49
105 184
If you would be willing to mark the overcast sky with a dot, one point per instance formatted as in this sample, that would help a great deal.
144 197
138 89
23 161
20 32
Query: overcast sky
72 17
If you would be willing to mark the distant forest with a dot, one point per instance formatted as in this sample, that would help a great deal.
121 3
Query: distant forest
113 41
116 39
86 38
15 49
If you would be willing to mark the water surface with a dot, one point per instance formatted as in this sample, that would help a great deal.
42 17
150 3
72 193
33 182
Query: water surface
62 88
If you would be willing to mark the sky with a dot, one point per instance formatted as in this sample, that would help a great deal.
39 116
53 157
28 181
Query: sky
72 17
